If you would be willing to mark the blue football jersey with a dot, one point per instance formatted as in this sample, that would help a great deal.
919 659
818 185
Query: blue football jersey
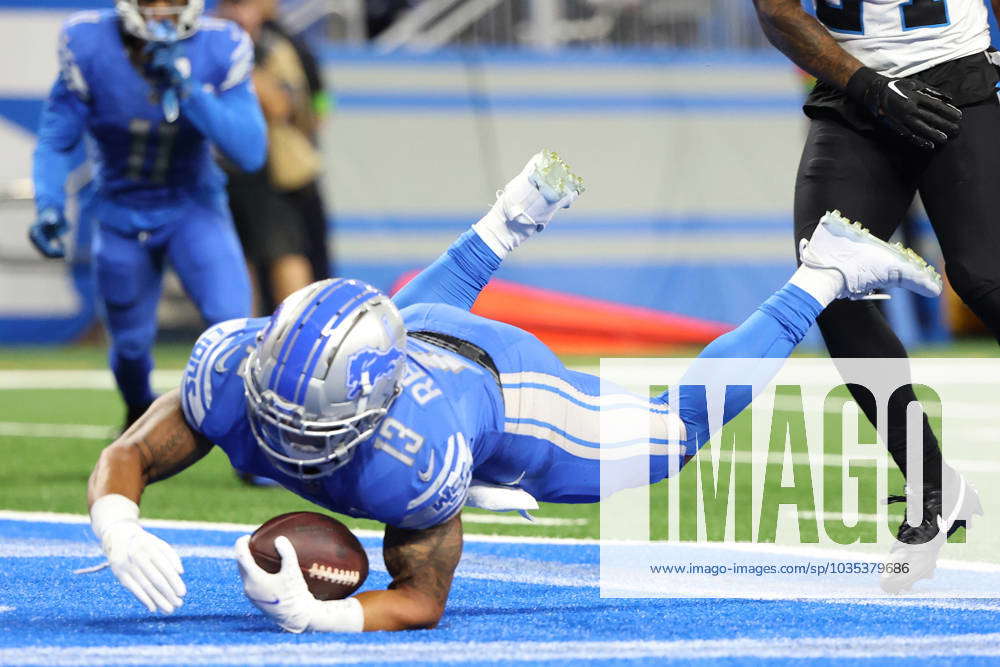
142 158
414 472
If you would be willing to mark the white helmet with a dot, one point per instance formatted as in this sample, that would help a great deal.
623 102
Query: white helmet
324 373
135 19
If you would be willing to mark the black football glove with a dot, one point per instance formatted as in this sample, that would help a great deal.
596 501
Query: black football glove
914 110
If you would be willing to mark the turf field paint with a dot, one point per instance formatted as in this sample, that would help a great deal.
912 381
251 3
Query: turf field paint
97 623
800 468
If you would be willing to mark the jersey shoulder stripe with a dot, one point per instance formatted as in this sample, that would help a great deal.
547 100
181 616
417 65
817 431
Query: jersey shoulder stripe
240 63
233 48
87 16
214 23
211 353
80 37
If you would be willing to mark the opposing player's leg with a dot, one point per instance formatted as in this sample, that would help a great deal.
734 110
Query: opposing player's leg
841 260
873 177
128 276
525 205
547 403
958 189
205 252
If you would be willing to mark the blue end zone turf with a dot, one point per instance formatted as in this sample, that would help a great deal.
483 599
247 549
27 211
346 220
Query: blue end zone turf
518 600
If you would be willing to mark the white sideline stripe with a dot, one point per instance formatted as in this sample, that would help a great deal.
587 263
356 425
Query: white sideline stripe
481 566
340 652
178 524
78 379
769 549
473 566
72 431
807 552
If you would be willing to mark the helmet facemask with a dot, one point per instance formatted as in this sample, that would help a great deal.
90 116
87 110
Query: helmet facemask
323 375
139 18
305 446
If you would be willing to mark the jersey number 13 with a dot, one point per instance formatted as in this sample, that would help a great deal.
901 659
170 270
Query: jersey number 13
848 15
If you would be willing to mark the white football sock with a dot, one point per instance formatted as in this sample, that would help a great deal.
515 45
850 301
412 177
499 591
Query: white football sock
500 236
824 285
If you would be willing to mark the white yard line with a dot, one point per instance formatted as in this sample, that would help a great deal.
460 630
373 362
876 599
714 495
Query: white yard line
344 652
729 547
58 431
510 569
177 524
78 379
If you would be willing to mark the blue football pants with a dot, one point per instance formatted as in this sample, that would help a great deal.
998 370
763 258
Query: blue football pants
201 246
552 444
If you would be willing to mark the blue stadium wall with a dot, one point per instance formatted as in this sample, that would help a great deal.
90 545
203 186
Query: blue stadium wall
689 161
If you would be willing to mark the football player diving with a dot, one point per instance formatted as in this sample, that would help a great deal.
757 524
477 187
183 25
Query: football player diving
405 409
151 86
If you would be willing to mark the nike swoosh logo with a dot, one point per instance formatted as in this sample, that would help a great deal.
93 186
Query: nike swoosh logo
516 481
893 88
425 476
264 601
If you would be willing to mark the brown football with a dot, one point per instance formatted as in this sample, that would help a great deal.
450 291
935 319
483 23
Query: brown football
332 560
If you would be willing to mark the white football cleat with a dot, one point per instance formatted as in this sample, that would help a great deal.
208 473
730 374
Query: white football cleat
866 262
544 186
528 202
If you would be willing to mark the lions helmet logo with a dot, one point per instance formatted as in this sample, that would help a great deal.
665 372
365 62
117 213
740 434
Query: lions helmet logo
366 367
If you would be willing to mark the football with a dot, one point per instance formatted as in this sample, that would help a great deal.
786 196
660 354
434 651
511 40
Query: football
331 558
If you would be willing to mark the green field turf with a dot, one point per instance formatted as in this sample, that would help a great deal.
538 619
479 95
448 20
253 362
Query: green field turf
43 472
174 355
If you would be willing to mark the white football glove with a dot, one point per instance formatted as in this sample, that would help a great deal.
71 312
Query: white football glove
285 597
142 562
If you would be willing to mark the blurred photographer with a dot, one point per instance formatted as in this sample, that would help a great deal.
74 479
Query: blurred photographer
272 228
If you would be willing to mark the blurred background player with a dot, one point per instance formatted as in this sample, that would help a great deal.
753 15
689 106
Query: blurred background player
272 207
906 102
155 86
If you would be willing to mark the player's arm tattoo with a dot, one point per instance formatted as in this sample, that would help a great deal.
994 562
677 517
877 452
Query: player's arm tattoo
424 560
157 446
170 445
806 42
